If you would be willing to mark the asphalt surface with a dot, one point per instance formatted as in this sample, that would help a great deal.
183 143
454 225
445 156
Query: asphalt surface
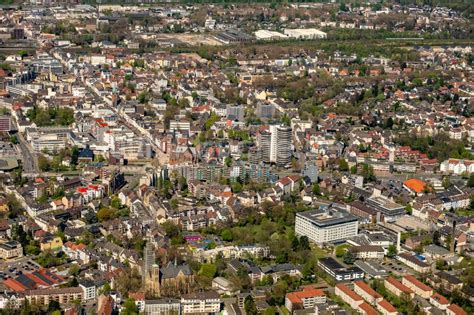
30 164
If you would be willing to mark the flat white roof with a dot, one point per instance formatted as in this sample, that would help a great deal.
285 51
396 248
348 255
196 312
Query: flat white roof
268 34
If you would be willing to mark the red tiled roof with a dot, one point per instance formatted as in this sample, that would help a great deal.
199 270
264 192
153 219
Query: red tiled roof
354 296
297 297
369 310
400 286
440 299
418 283
387 306
457 310
365 287
14 285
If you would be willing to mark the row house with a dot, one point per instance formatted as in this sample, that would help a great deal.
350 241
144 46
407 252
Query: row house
365 291
418 287
397 288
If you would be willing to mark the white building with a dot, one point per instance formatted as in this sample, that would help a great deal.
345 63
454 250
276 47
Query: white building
305 33
327 225
268 35
457 166
201 303
162 307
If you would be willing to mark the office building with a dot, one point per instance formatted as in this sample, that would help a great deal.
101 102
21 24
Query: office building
388 208
338 271
326 225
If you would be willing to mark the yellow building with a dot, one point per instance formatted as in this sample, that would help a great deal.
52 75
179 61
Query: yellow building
51 243
3 206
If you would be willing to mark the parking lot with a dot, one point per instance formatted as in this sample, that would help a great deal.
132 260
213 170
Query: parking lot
395 267
16 267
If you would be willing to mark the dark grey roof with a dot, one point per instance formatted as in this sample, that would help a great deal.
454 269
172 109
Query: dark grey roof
172 270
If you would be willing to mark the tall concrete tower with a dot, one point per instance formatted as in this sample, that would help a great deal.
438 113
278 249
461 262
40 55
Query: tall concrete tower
148 259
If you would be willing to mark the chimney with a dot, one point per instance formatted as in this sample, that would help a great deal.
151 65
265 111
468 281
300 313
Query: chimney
399 237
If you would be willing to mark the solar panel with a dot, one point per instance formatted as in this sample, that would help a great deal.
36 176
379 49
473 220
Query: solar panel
42 278
26 282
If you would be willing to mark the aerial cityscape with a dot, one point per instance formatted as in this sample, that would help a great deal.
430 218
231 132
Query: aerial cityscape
236 157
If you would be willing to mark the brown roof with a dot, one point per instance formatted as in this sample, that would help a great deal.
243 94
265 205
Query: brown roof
400 286
417 283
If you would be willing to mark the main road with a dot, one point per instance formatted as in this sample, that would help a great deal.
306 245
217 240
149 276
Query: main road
29 158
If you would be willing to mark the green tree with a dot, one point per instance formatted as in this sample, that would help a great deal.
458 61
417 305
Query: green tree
23 53
316 189
249 306
470 182
43 163
304 242
392 251
105 214
236 187
354 169
115 202
343 165
129 307
340 251
226 235
349 257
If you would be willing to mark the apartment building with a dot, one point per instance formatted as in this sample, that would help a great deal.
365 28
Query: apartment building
366 309
413 262
61 295
368 252
348 296
439 301
305 299
386 308
11 249
326 225
201 303
397 288
367 293
417 286
162 307
453 309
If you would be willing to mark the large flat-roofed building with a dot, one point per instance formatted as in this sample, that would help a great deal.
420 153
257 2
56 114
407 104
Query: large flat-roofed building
162 306
268 35
326 225
338 271
388 208
305 33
